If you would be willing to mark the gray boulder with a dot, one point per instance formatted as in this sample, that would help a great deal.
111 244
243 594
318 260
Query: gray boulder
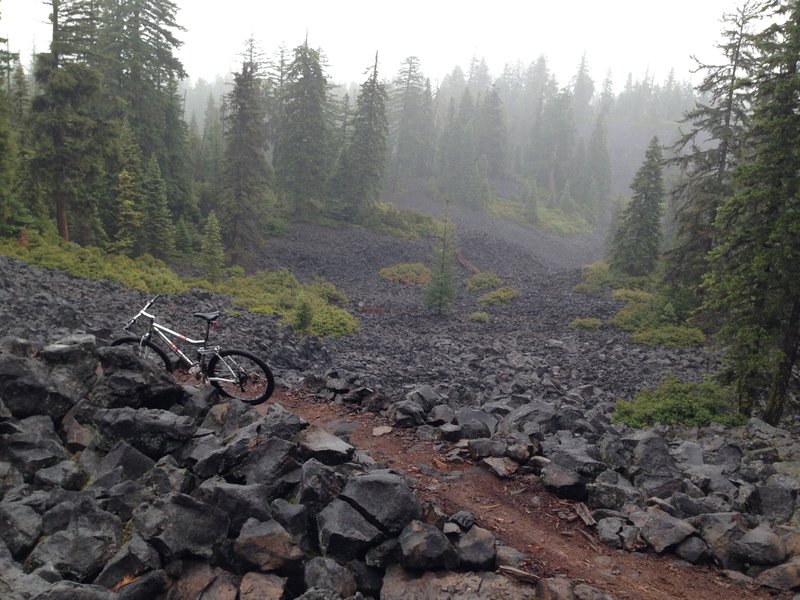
133 559
20 527
476 549
239 502
317 443
760 546
661 530
424 547
154 432
385 498
612 490
344 534
324 573
319 484
564 482
266 545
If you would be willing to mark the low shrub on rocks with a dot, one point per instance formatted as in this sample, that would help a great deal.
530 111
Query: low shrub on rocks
670 336
498 297
677 403
484 281
587 323
407 273
479 317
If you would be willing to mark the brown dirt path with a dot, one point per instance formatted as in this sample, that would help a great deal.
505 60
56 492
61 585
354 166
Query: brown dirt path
521 513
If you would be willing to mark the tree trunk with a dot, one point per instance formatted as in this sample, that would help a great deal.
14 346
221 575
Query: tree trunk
780 384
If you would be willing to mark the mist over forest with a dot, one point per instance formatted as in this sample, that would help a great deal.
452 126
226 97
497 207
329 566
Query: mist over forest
106 144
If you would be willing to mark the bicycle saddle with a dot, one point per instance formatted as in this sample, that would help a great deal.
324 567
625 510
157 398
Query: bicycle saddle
209 316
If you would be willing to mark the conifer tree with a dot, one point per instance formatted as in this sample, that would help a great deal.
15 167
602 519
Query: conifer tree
441 290
245 196
491 134
157 229
129 218
754 284
636 244
212 252
302 155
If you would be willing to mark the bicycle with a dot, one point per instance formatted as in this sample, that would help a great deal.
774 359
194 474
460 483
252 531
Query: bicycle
235 373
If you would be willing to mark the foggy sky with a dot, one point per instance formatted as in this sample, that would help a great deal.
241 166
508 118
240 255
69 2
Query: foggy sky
623 36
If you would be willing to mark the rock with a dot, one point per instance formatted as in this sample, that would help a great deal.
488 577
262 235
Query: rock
260 586
133 559
266 545
381 431
240 502
294 518
467 419
760 546
385 498
153 432
317 443
406 413
20 527
661 530
612 490
500 467
608 530
510 557
720 531
149 585
776 501
464 519
127 382
268 462
563 482
653 468
70 590
783 577
583 591
425 548
555 588
574 455
476 549
344 533
425 396
687 454
403 584
177 523
201 580
133 463
326 574
693 549
319 484
35 447
441 414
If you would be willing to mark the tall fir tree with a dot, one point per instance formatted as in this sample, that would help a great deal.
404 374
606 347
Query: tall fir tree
441 290
245 197
212 252
302 156
708 152
158 232
637 240
492 142
754 283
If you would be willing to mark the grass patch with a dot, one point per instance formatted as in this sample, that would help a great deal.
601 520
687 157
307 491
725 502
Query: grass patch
484 281
407 273
498 297
674 403
629 296
552 220
670 336
596 278
479 317
586 323
407 224
276 292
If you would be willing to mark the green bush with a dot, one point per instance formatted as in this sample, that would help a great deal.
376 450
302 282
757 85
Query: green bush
596 277
408 224
637 316
673 402
587 323
670 336
484 281
553 220
407 273
629 296
503 295
479 317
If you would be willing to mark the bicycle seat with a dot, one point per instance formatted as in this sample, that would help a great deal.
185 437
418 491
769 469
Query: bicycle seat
210 316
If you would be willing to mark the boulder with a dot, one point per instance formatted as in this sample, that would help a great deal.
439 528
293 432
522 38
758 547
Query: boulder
564 482
783 577
260 586
324 447
344 533
239 502
760 546
319 484
661 530
154 432
400 583
134 558
324 573
266 545
612 490
384 498
425 548
476 549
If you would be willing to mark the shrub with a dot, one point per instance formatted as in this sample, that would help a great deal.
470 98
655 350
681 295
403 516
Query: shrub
673 402
637 316
629 296
587 323
479 317
407 273
483 281
328 291
670 336
503 295
407 224
596 277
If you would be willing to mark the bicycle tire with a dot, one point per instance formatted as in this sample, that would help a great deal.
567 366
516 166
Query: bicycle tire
147 351
254 381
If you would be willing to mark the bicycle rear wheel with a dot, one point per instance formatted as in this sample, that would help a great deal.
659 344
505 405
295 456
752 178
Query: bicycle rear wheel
146 350
241 375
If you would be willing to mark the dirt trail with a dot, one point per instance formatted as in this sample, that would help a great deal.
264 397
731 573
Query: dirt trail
521 513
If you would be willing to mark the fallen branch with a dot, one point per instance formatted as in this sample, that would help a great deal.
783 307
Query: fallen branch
583 512
589 539
518 574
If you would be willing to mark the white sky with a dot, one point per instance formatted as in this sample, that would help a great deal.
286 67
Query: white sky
621 35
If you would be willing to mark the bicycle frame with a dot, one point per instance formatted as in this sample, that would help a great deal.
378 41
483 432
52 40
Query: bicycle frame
164 333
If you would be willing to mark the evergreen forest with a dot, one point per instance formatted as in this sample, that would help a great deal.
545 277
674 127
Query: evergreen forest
106 142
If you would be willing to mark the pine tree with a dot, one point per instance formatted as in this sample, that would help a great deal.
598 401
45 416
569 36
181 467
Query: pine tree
363 169
491 134
13 214
212 252
129 218
754 284
302 156
441 290
637 240
709 152
157 227
245 196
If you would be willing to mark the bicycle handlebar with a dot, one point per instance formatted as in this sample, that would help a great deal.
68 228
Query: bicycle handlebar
130 323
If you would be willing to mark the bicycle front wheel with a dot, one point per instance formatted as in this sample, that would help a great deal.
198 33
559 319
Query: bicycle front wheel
241 375
145 350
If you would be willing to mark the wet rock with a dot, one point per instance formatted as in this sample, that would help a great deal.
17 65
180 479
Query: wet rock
385 498
500 467
260 586
783 577
563 482
344 533
612 490
317 443
133 559
239 502
661 530
476 549
326 574
20 527
407 413
266 545
425 548
153 432
425 396
760 546
319 484
404 584
693 549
